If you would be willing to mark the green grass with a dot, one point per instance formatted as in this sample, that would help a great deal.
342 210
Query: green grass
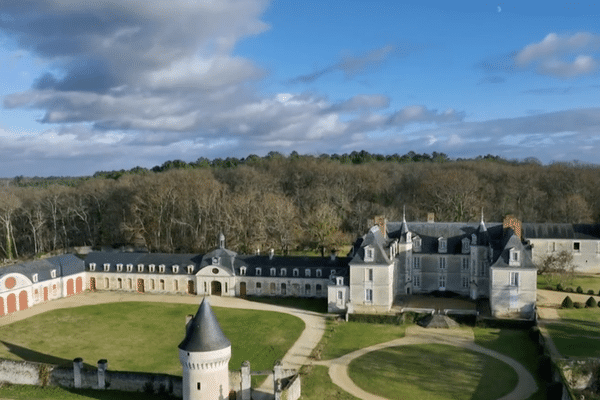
345 337
577 334
586 282
317 385
515 344
303 303
137 336
26 392
432 371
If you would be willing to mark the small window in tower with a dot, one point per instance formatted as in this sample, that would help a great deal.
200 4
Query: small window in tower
198 386
576 246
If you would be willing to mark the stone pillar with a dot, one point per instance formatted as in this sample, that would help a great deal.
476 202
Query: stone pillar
246 390
77 366
277 375
102 366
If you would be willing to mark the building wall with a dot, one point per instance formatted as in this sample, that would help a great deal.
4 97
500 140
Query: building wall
337 297
586 259
381 287
271 286
509 300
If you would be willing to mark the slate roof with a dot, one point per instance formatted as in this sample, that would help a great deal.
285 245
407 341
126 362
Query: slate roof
561 231
502 257
203 332
66 264
325 264
378 242
114 258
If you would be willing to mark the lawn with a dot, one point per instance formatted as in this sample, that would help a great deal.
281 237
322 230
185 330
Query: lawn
577 334
26 392
136 336
515 344
432 372
586 282
317 385
345 337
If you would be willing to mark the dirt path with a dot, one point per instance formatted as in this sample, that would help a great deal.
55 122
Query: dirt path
296 356
338 368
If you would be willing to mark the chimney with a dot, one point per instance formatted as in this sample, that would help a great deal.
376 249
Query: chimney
431 218
258 251
512 222
271 254
381 222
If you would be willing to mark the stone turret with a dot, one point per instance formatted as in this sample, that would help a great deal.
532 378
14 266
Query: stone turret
204 354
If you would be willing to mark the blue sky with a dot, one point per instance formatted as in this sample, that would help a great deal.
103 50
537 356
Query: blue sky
103 85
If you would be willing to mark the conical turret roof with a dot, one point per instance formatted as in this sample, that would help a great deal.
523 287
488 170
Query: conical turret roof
203 332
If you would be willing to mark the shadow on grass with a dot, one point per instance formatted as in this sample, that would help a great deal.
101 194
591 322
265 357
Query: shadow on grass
35 356
308 304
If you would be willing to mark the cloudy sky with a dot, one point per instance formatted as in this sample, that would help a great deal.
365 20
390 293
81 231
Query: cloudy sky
112 84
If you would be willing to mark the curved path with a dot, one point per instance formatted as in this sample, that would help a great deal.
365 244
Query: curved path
296 356
338 368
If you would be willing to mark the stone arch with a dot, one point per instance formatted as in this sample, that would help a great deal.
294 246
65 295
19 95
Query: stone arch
70 290
11 303
79 285
215 288
23 305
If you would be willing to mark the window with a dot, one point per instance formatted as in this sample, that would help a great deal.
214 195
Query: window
465 281
369 295
295 272
442 262
92 266
242 271
106 283
53 273
129 283
576 246
283 289
283 272
369 253
119 267
465 264
318 289
369 274
129 267
307 271
339 280
273 272
215 260
417 280
152 284
35 277
514 279
140 267
307 289
482 269
465 245
176 285
106 267
119 283
205 287
417 242
161 268
162 284
551 246
416 262
215 271
514 257
152 268
442 281
319 273
175 269
258 271
198 385
258 285
442 245
190 269
340 295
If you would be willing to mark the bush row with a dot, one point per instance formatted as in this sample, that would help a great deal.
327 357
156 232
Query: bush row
568 303
569 289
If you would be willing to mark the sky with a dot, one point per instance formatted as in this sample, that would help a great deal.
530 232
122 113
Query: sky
114 84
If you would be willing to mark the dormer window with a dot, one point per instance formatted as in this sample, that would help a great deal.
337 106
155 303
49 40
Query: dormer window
215 261
339 280
161 268
307 272
242 271
273 273
283 272
190 269
119 267
175 269
151 268
408 237
258 271
296 272
129 267
319 273
417 243
35 277
369 254
92 266
53 273
514 258
466 246
140 267
442 245
106 267
474 239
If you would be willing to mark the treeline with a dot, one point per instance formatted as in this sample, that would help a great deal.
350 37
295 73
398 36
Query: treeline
283 202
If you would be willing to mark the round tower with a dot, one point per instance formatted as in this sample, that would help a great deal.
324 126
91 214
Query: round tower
204 354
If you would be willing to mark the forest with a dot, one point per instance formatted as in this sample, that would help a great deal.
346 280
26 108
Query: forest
282 202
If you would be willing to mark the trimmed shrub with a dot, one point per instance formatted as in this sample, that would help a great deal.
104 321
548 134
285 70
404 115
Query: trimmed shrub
569 289
591 292
578 304
579 289
591 302
559 287
549 288
567 303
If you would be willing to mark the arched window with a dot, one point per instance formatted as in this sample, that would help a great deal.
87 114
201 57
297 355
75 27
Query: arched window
296 272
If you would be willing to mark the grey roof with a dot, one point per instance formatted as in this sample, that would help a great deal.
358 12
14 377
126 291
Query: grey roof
302 263
501 257
66 264
203 332
375 239
114 258
561 231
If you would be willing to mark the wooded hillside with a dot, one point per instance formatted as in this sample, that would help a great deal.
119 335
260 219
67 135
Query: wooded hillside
283 202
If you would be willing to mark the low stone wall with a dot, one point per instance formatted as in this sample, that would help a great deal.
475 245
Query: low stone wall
292 390
558 384
24 372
